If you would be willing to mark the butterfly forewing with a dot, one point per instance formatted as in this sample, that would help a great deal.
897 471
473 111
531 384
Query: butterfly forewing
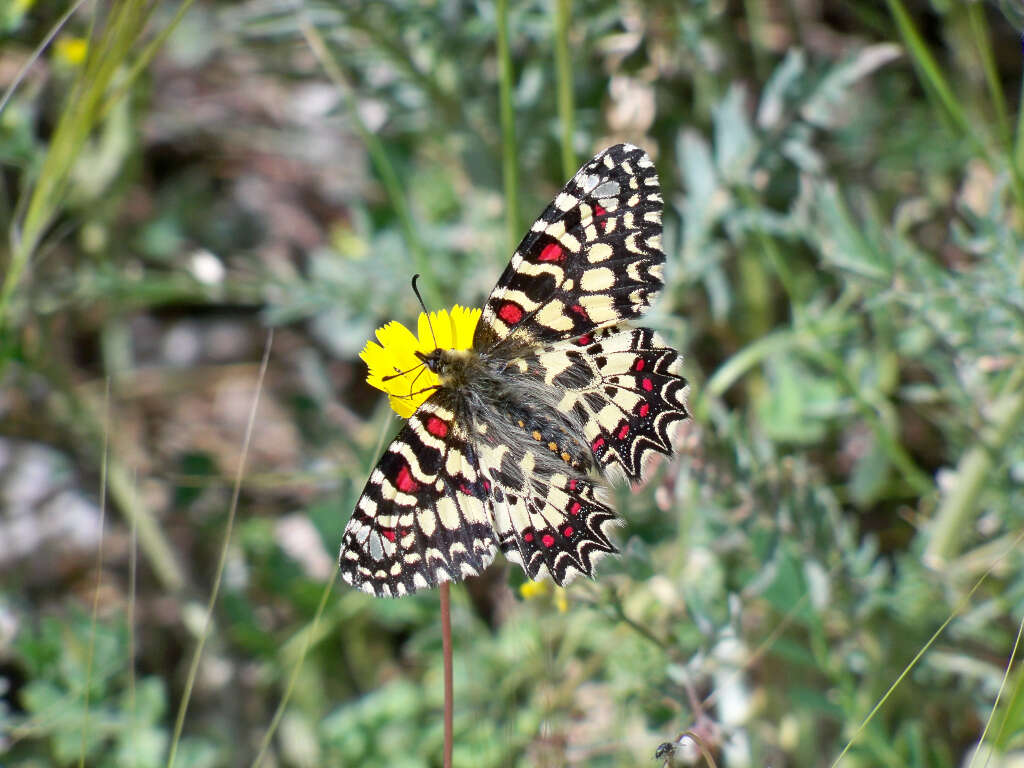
592 259
424 516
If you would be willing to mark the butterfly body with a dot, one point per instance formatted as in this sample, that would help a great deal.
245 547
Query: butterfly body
557 384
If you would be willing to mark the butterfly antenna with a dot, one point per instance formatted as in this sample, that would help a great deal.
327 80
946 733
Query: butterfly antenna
398 373
419 392
424 306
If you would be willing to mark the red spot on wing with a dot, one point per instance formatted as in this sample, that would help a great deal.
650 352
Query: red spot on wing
528 537
573 483
597 444
388 533
600 212
437 427
568 531
548 540
647 384
551 252
644 409
577 309
623 431
639 365
575 508
487 485
584 340
510 313
404 481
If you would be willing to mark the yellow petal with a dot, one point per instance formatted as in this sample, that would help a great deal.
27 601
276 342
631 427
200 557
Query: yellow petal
403 406
464 326
531 590
399 341
442 331
71 50
561 601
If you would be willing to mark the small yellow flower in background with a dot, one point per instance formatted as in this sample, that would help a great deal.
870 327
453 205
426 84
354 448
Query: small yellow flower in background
533 590
561 601
71 50
395 355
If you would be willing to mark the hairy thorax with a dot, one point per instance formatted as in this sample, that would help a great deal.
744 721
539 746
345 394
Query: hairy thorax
505 404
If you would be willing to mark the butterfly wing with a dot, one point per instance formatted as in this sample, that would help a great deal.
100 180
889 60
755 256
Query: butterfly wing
512 473
424 514
591 260
553 522
624 388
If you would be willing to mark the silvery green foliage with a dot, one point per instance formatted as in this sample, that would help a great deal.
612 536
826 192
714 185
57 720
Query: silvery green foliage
763 186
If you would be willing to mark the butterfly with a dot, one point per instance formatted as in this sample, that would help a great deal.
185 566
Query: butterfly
557 390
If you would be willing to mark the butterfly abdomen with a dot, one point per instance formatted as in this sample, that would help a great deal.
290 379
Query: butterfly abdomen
515 407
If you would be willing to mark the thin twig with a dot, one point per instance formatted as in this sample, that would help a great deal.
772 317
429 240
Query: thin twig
307 641
99 576
379 157
133 572
957 610
508 128
446 649
193 669
563 65
995 704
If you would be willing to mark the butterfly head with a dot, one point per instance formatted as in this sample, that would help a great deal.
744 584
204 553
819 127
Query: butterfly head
434 360
447 365
408 366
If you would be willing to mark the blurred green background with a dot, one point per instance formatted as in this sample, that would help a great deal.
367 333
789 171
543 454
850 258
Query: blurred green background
844 186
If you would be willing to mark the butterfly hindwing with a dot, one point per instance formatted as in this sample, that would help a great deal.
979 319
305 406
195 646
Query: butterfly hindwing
423 517
624 386
551 521
591 260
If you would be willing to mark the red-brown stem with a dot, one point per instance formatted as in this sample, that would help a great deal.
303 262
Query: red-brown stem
446 649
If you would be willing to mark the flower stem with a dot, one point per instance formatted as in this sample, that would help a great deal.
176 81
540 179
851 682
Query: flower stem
380 158
508 130
959 507
446 649
563 64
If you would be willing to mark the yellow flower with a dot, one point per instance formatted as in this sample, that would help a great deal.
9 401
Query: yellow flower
561 601
71 50
395 355
533 590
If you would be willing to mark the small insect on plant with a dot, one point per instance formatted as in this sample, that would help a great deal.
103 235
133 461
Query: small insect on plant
516 408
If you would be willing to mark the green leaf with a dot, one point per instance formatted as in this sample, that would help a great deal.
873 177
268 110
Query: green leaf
735 144
780 85
871 473
834 99
145 748
793 407
842 241
150 700
1010 734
